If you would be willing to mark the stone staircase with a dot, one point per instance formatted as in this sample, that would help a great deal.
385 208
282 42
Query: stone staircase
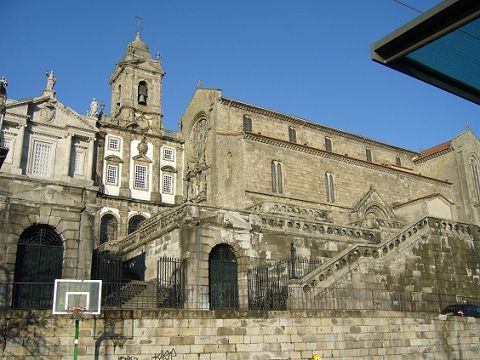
331 271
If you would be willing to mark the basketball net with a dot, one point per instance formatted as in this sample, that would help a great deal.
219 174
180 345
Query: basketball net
77 312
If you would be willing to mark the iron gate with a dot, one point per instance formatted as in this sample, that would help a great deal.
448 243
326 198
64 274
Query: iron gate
38 263
223 278
171 282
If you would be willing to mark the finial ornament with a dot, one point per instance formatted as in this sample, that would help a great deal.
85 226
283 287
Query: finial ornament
199 84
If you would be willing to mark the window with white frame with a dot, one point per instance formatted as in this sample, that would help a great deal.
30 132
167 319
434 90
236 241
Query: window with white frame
40 158
330 188
277 177
112 175
114 143
167 184
140 180
168 154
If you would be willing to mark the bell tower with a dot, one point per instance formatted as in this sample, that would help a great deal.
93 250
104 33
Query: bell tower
136 83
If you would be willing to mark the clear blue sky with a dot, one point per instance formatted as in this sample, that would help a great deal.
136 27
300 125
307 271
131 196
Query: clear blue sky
309 58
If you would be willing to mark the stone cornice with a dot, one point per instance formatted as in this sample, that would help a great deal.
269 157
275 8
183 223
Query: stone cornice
431 156
306 123
342 158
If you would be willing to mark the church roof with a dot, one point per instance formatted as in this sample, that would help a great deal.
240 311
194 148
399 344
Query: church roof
137 48
434 150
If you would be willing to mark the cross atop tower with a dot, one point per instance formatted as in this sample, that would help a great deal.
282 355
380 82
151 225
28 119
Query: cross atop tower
139 23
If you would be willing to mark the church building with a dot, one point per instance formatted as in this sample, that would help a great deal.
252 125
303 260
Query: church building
238 188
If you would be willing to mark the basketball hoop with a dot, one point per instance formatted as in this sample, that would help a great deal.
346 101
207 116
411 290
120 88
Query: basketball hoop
77 312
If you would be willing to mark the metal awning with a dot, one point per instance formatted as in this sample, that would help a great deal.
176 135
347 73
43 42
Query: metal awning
440 47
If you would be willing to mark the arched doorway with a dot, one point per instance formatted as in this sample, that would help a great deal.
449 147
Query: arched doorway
38 263
223 278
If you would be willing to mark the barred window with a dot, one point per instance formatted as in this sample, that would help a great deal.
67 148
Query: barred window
42 152
247 123
168 154
330 188
328 144
277 177
368 154
112 175
292 134
167 184
140 181
114 143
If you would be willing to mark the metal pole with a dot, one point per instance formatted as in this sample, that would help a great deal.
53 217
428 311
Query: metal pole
75 343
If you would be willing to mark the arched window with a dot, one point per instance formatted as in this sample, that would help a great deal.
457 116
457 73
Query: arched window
38 263
277 177
223 278
135 222
330 188
108 228
475 178
142 93
247 123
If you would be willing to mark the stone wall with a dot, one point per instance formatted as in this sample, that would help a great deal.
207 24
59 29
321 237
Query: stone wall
209 335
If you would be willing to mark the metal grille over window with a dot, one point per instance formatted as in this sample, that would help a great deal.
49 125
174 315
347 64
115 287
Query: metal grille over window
113 143
292 135
328 144
112 174
277 177
330 188
140 181
168 154
167 184
41 158
247 123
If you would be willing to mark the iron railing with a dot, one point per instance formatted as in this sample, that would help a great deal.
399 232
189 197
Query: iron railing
144 295
268 284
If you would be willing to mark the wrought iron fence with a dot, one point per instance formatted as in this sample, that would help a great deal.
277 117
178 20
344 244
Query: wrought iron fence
171 282
145 295
268 284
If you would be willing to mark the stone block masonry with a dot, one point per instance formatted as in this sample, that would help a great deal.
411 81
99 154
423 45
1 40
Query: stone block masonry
240 335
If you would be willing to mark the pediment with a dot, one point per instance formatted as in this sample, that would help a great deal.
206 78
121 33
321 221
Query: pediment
142 158
168 168
372 204
113 158
51 113
49 194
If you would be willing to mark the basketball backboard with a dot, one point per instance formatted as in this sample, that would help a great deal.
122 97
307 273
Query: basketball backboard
80 294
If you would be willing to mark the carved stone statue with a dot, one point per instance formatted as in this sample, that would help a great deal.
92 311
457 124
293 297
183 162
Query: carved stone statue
142 147
51 80
93 108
